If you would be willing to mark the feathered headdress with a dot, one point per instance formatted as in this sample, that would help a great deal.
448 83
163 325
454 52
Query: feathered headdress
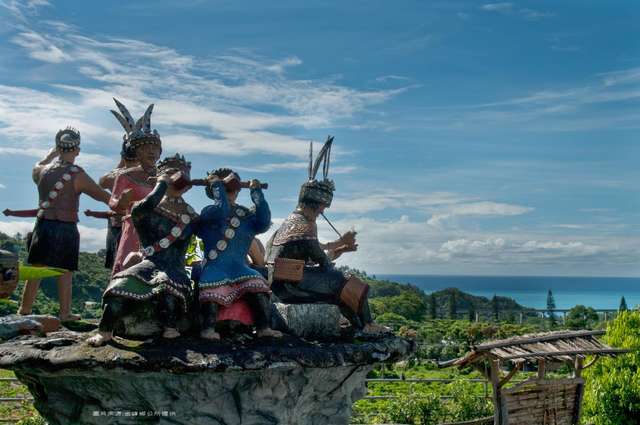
314 190
137 133
68 139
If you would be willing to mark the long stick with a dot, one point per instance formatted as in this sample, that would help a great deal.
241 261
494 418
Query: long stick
332 226
20 213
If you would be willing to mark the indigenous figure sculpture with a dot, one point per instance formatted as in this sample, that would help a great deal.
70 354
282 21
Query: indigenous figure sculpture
297 239
158 286
228 230
133 184
114 220
8 273
55 240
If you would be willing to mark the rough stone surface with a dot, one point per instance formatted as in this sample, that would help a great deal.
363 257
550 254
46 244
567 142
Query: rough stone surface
261 381
314 321
14 325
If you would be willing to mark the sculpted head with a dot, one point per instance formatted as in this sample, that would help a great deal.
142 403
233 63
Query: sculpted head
68 143
180 170
231 181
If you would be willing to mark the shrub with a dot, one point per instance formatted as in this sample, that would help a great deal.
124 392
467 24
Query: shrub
612 395
416 408
466 404
32 420
581 317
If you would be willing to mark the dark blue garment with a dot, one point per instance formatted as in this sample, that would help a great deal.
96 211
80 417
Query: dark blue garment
230 265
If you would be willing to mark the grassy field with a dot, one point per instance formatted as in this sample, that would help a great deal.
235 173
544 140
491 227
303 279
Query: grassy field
14 411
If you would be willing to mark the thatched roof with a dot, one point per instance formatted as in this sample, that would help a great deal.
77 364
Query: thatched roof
551 346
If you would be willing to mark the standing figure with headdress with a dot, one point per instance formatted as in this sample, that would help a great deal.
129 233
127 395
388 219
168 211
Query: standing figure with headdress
297 239
114 220
55 241
157 289
227 230
133 184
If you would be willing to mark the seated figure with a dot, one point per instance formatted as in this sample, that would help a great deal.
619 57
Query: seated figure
297 239
158 287
227 230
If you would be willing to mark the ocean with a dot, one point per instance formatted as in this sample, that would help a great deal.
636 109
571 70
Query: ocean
531 291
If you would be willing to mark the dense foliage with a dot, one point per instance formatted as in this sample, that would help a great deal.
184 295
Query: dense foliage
612 394
581 317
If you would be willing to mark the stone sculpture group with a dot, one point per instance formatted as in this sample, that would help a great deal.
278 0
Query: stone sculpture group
151 227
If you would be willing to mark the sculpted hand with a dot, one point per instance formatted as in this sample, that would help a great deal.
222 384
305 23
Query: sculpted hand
254 184
349 238
346 248
230 177
167 176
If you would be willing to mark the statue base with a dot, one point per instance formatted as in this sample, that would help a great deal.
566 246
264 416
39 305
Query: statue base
312 321
191 381
15 324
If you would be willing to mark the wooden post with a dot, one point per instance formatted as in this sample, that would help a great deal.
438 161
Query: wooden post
580 390
477 317
564 317
605 316
521 317
541 369
498 418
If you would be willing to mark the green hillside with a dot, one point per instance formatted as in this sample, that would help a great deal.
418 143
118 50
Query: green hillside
388 299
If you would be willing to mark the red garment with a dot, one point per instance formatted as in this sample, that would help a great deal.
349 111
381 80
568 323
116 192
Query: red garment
129 241
239 310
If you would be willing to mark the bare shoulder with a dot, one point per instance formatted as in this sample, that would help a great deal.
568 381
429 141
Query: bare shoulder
136 175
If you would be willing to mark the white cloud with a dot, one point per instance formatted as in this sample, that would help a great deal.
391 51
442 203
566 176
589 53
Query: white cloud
577 108
535 15
484 208
498 7
281 65
211 106
84 160
387 78
390 199
23 10
403 245
499 250
570 226
508 8
275 166
40 48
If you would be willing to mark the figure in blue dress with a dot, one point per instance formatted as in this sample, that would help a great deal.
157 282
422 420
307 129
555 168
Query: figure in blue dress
227 230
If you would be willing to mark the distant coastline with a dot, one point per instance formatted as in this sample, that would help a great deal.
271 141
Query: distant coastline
531 291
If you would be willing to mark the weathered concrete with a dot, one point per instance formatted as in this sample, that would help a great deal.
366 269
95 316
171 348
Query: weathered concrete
14 325
313 321
190 381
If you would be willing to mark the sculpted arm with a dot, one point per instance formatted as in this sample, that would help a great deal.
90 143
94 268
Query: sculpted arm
35 174
85 184
262 217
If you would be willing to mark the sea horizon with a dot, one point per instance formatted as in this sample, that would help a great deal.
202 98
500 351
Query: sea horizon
531 291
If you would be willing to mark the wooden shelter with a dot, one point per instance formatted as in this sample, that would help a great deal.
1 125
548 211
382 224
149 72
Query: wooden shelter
537 401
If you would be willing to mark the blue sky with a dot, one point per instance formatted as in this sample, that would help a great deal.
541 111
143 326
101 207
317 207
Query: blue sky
471 137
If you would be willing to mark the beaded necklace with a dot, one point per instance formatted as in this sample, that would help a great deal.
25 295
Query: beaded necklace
181 222
229 233
59 185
